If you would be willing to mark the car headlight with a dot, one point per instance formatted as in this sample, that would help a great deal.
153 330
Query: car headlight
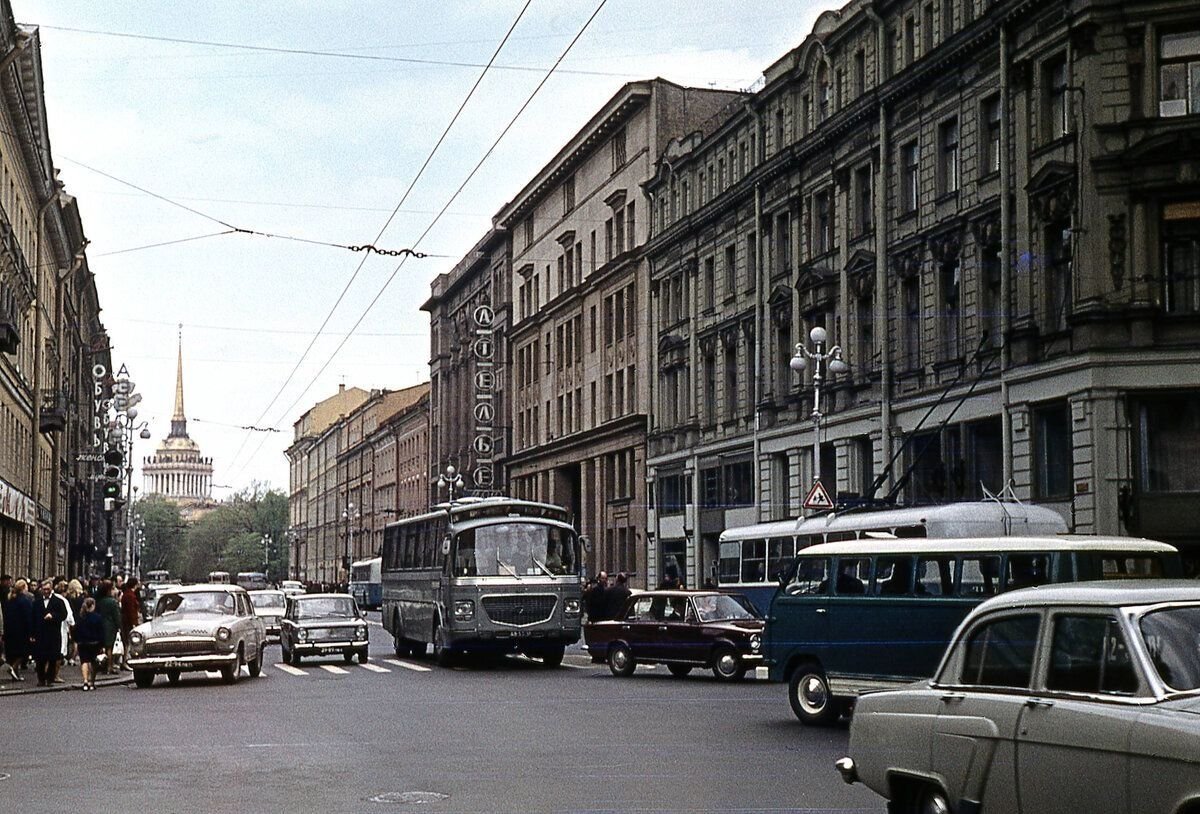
135 637
755 642
302 635
360 632
223 634
571 607
464 610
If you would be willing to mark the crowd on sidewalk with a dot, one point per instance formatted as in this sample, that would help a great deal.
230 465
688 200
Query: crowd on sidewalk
59 621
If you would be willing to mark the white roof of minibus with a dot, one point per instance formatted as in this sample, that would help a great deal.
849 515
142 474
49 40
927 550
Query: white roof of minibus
986 545
366 562
980 511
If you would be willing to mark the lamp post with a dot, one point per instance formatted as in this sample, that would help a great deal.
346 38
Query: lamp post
823 361
266 541
293 539
348 514
451 479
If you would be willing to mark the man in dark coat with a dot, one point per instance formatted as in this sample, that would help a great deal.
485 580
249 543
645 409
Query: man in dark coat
49 613
594 599
614 599
18 629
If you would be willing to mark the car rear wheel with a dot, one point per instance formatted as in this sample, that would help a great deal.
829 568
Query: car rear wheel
173 676
809 695
143 678
679 670
621 661
727 665
255 666
232 673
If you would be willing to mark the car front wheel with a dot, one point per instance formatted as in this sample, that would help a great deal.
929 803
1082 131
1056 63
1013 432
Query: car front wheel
255 666
231 673
173 676
621 661
809 695
362 656
727 665
143 678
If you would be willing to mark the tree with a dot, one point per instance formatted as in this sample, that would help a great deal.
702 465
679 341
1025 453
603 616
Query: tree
230 537
163 534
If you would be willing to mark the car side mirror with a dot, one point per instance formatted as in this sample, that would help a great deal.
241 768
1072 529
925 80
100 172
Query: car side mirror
446 546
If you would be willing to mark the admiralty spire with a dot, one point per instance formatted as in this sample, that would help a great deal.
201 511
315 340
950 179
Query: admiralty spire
178 471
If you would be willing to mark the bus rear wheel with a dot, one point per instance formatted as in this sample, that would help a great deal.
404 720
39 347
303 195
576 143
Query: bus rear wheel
401 646
809 695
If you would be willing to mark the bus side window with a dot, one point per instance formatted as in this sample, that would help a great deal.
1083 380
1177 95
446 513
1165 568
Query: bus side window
812 574
729 567
754 561
779 556
893 576
979 576
935 576
805 542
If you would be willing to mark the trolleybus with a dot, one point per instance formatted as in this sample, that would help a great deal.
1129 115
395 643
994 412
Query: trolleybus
366 583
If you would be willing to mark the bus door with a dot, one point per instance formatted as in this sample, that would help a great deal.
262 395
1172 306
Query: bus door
798 624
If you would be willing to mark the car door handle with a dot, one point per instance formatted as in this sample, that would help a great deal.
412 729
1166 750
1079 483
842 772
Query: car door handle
1038 702
953 696
662 628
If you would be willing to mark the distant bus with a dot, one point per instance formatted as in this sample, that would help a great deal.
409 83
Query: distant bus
157 576
753 557
219 577
483 574
366 583
252 580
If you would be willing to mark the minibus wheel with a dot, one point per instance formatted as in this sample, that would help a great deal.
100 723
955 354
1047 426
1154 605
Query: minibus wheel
809 695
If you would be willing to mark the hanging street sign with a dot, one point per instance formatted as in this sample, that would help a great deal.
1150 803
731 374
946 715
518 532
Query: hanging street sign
818 498
90 457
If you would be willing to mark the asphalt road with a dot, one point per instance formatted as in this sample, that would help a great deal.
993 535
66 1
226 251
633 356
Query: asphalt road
502 737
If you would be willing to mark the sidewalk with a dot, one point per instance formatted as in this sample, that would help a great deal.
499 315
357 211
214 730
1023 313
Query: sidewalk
71 675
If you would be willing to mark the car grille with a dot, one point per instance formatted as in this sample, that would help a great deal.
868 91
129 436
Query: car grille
329 634
175 647
519 610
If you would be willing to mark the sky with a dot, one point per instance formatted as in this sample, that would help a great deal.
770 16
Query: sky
173 123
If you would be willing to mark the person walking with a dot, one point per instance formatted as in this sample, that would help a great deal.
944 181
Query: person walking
89 639
594 598
75 597
60 590
18 629
110 612
131 616
49 613
614 598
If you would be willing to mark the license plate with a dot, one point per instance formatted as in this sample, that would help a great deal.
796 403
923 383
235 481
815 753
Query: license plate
519 633
327 650
173 664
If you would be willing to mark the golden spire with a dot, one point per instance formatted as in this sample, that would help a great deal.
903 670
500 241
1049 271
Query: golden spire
179 421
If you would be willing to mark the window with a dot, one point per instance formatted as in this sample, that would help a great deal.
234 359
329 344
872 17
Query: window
1180 230
909 177
910 294
708 281
751 265
990 149
1054 103
730 268
731 383
860 73
910 40
1000 653
935 576
947 18
619 230
710 389
926 30
630 225
985 455
618 149
951 308
778 129
780 552
948 157
1058 274
811 577
822 93
1179 74
1089 655
754 561
1053 458
608 240
979 576
893 576
527 231
822 224
1168 433
865 317
862 194
568 194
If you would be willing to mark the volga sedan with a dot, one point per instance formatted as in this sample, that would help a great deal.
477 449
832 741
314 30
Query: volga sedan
1077 697
198 628
323 625
681 629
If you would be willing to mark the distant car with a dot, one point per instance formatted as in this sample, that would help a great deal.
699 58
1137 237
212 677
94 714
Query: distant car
291 587
198 628
1074 697
681 629
323 625
269 606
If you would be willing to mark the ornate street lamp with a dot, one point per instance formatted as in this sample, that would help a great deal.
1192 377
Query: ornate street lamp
823 361
451 479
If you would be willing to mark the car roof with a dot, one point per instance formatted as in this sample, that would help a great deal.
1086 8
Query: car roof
323 596
261 591
986 545
207 587
683 592
1109 593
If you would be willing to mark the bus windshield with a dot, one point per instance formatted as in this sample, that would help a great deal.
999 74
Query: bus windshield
515 549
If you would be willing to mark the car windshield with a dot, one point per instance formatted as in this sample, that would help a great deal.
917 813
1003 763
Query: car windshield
516 550
267 601
219 602
341 607
719 607
1172 637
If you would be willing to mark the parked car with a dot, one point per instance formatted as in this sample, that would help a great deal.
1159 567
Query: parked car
323 625
1074 697
291 587
269 606
198 628
681 629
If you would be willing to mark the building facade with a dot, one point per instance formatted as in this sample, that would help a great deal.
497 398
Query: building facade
992 210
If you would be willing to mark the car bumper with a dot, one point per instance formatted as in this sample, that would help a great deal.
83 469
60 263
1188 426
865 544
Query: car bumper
328 648
189 663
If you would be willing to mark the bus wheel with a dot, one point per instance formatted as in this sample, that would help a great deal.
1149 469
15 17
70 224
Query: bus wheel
552 656
809 695
441 651
401 646
621 661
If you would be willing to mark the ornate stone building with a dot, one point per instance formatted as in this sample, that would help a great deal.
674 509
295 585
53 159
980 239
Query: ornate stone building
177 471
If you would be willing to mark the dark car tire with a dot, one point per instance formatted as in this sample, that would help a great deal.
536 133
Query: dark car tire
679 670
727 665
285 655
809 695
143 678
296 659
442 654
231 674
255 666
173 676
348 656
363 656
621 661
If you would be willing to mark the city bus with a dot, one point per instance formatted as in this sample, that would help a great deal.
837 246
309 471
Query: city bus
252 580
870 614
494 575
156 576
366 582
219 577
753 557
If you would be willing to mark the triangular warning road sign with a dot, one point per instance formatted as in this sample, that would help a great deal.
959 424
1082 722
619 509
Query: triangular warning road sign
818 498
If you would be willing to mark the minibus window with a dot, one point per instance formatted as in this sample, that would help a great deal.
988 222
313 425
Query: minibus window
935 576
1122 566
852 577
893 576
811 577
1026 570
980 576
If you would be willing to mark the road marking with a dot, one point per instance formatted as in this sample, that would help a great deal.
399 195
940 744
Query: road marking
329 668
289 669
374 668
407 666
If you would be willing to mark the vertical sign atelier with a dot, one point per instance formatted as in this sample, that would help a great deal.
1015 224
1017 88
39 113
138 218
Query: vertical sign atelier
484 349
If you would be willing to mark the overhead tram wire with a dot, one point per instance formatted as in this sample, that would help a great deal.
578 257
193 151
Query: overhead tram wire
387 223
432 223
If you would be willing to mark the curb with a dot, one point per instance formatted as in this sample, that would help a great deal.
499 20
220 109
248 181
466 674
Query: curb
34 689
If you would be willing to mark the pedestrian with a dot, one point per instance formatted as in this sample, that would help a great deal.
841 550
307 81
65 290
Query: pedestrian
110 611
18 628
60 590
49 613
89 638
75 597
616 596
131 616
594 599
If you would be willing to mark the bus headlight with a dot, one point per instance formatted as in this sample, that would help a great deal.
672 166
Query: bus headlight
223 634
360 633
464 610
571 607
755 642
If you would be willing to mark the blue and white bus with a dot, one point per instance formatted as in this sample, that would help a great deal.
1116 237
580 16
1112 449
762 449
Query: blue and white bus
752 558
366 582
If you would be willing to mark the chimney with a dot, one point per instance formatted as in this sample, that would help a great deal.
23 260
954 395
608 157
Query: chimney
342 387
